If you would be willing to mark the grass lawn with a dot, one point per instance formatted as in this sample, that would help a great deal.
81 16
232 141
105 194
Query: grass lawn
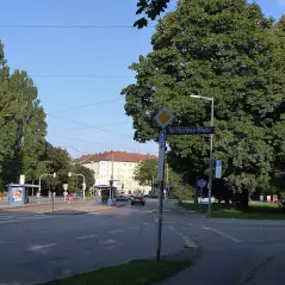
258 211
137 272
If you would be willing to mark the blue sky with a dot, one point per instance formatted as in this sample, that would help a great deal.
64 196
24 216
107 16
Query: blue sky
102 125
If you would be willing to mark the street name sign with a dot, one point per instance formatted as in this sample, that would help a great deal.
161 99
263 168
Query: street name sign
182 130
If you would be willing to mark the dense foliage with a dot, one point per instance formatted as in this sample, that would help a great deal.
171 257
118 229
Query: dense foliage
22 125
151 9
228 50
146 174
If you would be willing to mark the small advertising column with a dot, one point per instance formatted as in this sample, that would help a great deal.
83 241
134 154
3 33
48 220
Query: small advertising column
16 195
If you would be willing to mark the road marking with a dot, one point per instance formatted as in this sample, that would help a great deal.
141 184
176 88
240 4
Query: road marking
190 224
185 238
115 231
222 234
39 247
87 237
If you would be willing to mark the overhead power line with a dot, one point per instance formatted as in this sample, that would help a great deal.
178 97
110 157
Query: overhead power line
86 105
91 126
19 26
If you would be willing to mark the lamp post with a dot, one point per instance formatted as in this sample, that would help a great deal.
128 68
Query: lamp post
83 184
40 182
211 149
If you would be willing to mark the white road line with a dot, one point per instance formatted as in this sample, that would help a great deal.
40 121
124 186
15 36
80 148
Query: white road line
222 234
39 247
185 238
115 231
172 228
87 237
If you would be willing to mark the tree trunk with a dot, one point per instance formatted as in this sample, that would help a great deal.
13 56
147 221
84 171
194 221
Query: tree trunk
241 200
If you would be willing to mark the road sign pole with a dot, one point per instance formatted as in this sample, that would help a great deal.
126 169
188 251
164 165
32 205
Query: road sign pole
162 146
163 118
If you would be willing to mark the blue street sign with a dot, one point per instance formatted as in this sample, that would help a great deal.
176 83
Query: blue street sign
180 130
219 165
201 183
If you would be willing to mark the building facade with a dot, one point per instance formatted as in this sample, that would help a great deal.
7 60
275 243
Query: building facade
120 165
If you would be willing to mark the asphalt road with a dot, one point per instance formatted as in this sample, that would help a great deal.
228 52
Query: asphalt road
235 252
38 248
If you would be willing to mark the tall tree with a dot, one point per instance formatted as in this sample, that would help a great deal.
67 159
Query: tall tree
146 175
22 123
151 9
225 49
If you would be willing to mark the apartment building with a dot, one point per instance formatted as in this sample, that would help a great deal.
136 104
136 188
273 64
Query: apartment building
121 164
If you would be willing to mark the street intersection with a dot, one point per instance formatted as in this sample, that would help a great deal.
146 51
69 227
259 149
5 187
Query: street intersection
42 247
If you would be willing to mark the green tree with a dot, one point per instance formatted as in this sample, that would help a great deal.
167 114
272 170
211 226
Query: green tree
146 172
59 162
22 123
151 8
88 173
225 48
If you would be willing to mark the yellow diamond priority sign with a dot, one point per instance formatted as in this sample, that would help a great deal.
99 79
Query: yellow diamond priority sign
164 117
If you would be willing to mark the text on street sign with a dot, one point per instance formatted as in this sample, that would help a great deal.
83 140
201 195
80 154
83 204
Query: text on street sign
179 130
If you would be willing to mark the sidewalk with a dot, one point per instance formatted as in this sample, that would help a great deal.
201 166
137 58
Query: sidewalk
268 272
216 268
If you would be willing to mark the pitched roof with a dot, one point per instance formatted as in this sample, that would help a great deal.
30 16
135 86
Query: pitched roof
119 156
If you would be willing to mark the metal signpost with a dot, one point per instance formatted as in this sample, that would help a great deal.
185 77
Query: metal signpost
163 118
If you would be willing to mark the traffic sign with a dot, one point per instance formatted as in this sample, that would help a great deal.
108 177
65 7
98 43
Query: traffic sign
180 130
219 165
201 183
164 117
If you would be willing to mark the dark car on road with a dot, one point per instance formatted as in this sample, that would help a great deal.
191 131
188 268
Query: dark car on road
137 200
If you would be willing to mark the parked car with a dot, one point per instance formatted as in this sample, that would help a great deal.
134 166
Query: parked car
137 200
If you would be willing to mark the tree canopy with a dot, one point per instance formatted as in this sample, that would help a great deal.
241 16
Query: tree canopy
151 9
147 175
22 124
228 50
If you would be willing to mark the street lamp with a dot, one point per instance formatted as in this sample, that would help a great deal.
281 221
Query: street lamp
41 177
211 148
83 184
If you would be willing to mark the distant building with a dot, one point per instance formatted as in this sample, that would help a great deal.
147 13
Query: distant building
123 164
